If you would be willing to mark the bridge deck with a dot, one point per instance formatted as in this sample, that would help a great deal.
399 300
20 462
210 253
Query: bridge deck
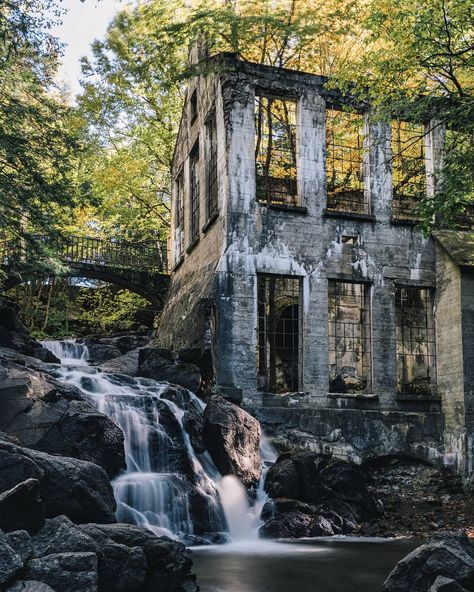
149 256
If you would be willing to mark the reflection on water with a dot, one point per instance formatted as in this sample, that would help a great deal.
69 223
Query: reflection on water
316 565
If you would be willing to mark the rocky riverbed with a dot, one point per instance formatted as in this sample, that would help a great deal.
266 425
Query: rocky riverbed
73 443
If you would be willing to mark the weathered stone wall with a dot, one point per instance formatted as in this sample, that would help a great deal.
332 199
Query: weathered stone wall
352 434
187 316
213 300
307 243
450 357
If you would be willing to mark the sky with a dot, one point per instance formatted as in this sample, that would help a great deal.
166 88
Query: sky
84 22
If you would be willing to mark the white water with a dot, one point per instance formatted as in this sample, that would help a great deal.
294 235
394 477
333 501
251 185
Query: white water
165 483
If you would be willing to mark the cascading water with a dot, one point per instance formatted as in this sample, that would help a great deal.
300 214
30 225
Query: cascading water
166 487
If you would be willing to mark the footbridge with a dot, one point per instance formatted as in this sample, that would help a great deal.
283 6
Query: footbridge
141 267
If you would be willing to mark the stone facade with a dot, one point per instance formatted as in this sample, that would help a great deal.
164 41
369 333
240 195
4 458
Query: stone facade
215 295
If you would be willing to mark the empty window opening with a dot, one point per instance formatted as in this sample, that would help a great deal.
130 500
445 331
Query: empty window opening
408 169
345 163
193 107
211 172
349 337
347 239
415 335
179 218
279 358
275 150
194 192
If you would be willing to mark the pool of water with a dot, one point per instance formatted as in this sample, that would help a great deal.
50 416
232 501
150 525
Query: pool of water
307 565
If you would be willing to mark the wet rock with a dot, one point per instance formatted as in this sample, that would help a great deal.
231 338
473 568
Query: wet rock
47 415
232 437
193 417
446 555
290 525
10 562
21 507
65 572
159 364
124 364
321 526
78 489
319 479
101 352
124 342
168 567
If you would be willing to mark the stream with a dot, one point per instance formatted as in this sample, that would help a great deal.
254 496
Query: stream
170 489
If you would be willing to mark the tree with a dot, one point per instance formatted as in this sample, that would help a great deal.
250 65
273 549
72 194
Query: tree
417 62
38 144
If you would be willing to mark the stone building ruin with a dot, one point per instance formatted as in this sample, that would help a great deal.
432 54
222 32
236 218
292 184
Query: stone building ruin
298 269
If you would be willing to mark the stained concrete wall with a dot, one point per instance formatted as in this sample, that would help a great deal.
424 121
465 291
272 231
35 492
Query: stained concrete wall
213 299
307 243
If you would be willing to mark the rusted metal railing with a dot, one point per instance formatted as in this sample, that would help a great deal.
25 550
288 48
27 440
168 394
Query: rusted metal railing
139 256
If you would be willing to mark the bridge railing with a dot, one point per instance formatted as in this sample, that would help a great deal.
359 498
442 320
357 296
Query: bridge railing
139 256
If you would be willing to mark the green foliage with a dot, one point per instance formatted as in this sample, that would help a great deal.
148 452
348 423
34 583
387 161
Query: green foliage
37 145
105 309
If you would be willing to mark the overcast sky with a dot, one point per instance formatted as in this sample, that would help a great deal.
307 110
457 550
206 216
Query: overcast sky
84 22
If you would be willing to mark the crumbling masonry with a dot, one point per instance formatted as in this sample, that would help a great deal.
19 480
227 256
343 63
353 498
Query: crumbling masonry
296 263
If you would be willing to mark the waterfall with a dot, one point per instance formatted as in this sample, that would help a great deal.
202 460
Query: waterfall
68 350
166 487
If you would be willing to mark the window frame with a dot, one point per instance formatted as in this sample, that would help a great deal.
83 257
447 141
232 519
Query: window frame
365 326
364 202
293 199
194 193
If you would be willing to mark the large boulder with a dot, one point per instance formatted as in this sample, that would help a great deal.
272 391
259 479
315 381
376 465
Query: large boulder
123 342
65 572
320 479
124 364
167 564
21 507
69 557
14 335
10 561
159 364
47 415
232 437
444 564
76 488
330 494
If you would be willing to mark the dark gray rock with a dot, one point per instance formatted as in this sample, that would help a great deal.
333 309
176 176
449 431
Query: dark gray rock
29 586
78 489
65 572
290 525
60 535
321 526
14 335
232 437
193 417
101 352
168 567
10 561
156 363
45 414
319 479
442 584
21 507
445 555
20 542
124 364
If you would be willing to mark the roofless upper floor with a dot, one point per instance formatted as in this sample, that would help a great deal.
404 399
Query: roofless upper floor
292 123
